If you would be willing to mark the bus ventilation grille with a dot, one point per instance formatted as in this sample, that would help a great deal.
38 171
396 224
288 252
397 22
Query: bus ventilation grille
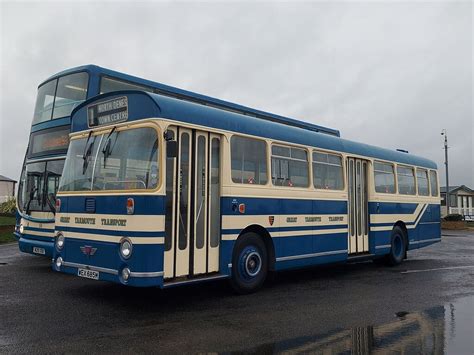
90 205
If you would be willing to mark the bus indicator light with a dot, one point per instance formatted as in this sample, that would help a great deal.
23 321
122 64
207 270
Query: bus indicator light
58 205
242 208
130 206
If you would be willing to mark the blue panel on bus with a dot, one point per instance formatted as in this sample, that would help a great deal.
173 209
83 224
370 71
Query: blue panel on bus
275 206
144 205
51 124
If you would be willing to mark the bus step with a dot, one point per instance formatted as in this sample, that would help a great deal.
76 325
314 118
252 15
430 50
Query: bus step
186 281
360 257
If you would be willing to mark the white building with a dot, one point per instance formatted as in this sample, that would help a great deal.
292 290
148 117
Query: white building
7 188
461 201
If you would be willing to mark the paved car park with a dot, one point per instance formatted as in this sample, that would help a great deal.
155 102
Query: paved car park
306 310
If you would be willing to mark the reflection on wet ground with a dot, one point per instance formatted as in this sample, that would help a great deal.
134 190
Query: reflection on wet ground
447 329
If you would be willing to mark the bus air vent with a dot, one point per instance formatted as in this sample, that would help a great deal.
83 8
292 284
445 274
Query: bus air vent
90 205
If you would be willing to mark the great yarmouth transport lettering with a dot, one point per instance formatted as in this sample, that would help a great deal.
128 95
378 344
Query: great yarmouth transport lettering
84 220
64 219
113 222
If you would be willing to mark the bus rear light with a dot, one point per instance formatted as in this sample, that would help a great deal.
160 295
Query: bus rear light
58 205
130 206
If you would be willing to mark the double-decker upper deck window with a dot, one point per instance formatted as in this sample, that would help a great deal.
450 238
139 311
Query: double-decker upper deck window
327 171
58 97
289 166
384 175
433 183
422 177
71 91
110 84
44 102
249 160
406 180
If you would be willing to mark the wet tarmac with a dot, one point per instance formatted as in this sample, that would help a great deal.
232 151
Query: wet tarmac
445 329
423 306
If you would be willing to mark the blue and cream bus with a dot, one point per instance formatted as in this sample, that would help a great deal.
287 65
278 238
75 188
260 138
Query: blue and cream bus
160 191
49 138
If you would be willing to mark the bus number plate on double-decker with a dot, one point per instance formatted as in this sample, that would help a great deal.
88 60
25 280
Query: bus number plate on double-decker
88 274
37 250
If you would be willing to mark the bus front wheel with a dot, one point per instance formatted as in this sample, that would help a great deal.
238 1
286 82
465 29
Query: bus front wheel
249 263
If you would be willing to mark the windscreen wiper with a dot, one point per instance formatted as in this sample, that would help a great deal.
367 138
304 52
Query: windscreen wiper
31 196
87 153
107 150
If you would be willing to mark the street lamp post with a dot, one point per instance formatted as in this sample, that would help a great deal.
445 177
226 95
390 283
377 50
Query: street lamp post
445 134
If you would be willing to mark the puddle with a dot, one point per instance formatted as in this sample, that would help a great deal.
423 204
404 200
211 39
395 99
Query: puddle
447 329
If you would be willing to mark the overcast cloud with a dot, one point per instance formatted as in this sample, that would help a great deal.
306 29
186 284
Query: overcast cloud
385 73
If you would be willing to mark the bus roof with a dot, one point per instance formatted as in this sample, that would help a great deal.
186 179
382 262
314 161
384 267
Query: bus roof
146 105
195 97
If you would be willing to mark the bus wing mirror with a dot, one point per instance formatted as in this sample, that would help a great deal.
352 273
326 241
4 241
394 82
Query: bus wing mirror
171 149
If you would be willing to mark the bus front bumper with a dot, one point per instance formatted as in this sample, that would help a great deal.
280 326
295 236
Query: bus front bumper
37 247
136 279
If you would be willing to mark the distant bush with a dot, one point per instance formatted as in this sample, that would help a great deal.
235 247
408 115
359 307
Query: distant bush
9 206
453 218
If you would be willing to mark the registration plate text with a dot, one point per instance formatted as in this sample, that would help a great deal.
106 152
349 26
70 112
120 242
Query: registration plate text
88 274
37 250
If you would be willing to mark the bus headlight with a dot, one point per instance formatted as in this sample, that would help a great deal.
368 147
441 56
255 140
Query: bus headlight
60 241
22 229
59 263
126 248
125 274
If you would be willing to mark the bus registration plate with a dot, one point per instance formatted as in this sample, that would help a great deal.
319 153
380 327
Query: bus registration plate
88 274
40 251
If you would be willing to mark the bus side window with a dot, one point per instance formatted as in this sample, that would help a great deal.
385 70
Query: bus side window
384 176
406 180
289 166
248 160
422 178
327 171
433 183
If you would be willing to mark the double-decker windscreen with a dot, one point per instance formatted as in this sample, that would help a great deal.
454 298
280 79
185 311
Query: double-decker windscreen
38 185
117 160
58 97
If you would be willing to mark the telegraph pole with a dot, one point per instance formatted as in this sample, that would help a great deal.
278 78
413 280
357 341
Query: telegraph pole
445 134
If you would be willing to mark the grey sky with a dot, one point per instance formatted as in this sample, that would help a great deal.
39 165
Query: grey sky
385 73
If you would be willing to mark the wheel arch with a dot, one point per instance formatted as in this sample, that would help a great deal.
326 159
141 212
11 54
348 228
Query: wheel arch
267 240
403 227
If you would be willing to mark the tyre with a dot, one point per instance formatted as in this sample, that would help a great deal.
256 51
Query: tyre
249 263
398 247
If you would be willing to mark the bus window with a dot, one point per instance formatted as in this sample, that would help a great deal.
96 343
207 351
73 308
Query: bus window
44 102
127 160
249 161
433 183
384 176
109 84
422 177
289 167
327 171
406 180
71 91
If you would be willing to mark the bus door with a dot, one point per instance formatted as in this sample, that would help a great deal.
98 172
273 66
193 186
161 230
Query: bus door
192 223
358 240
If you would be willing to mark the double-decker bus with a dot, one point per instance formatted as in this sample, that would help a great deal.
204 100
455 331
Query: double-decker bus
159 191
49 138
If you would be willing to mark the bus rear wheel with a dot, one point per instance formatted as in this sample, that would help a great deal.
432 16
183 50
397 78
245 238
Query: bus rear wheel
249 263
398 247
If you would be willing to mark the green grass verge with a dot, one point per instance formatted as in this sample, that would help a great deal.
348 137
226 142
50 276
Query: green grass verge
6 233
7 221
7 236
